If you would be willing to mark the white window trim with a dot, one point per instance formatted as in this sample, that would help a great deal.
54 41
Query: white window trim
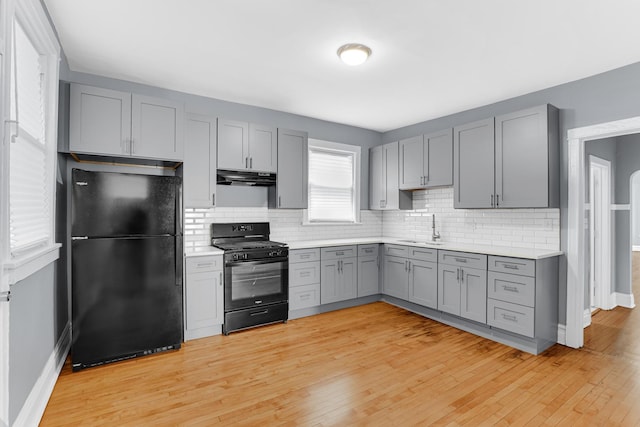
347 148
34 21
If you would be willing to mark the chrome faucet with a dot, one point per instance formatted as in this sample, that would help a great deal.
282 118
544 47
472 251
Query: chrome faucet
434 235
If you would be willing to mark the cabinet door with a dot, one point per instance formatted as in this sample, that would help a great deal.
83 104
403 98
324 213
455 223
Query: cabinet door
348 279
449 289
263 148
199 169
522 159
396 277
411 163
100 121
376 178
390 183
329 281
473 168
423 283
368 269
204 300
473 299
439 158
157 128
293 166
233 145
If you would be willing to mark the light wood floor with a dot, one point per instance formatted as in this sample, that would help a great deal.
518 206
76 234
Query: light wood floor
369 365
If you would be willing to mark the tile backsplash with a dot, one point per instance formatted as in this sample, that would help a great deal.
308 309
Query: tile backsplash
527 228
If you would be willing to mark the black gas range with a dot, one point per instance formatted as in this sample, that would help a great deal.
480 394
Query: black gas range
256 275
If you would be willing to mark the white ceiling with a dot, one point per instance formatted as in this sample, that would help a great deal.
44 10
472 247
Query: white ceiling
430 57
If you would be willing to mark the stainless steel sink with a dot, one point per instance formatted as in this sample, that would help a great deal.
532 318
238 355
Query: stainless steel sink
422 243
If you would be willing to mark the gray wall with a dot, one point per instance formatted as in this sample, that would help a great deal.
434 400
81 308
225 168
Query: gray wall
601 98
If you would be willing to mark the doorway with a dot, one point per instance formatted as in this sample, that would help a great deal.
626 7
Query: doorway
600 277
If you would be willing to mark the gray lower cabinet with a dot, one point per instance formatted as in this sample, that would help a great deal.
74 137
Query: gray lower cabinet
426 160
384 192
510 161
368 270
199 168
338 274
423 283
204 296
304 278
523 296
462 284
293 170
411 274
247 146
114 123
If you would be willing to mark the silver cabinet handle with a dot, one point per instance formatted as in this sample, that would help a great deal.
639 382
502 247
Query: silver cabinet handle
421 179
221 278
246 164
458 274
213 199
461 276
279 201
510 288
409 266
497 200
492 200
250 162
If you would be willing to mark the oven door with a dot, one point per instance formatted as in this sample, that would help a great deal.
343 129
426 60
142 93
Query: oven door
255 283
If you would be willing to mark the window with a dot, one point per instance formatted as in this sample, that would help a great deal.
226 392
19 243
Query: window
31 89
334 182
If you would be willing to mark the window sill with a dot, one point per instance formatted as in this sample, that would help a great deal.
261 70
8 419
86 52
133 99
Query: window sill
18 269
305 224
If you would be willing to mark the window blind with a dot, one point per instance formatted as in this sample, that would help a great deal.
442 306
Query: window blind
331 186
29 197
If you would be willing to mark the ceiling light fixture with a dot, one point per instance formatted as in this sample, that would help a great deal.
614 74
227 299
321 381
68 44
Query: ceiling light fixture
354 53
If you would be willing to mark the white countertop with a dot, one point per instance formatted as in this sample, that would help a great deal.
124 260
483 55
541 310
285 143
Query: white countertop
204 251
478 249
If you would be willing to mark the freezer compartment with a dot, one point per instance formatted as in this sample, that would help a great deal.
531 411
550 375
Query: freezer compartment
126 298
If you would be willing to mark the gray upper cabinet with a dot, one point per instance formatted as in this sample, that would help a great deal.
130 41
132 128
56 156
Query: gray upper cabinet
527 164
108 122
508 162
426 161
293 166
199 167
247 146
383 175
473 166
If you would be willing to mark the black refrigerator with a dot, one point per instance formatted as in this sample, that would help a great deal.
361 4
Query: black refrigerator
126 266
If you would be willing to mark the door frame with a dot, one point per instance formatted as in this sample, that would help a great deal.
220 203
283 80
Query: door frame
576 239
601 295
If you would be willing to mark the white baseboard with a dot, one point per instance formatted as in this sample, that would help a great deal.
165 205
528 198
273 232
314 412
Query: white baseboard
33 408
562 334
586 317
624 300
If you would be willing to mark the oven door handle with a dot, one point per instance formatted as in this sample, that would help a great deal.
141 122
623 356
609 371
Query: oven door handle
256 262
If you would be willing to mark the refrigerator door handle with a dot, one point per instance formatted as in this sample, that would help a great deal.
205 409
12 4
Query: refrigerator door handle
179 259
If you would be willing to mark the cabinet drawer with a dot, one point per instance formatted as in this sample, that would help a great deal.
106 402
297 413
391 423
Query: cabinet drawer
512 288
304 296
198 264
463 259
510 317
304 273
525 267
423 254
368 250
396 250
304 255
338 252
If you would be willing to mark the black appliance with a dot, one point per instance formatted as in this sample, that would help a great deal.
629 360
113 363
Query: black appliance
256 275
126 266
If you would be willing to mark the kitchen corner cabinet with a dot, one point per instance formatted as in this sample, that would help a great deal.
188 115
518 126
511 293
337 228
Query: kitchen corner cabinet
368 270
247 146
384 193
462 284
199 167
338 274
293 167
113 123
426 161
204 296
510 161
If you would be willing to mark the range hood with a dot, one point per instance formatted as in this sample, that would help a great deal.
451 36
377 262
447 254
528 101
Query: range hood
259 179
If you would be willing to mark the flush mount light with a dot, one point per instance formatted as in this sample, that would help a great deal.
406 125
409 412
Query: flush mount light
354 53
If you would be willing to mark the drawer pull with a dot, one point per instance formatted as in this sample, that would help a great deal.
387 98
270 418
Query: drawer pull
510 317
305 256
340 253
305 297
460 259
305 274
511 266
510 288
205 264
368 251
